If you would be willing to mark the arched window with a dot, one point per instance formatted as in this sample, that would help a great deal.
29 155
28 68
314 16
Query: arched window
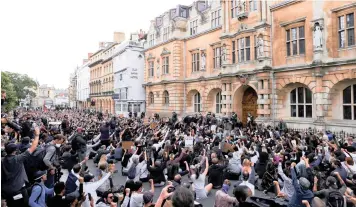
166 98
349 102
152 98
218 104
301 103
197 103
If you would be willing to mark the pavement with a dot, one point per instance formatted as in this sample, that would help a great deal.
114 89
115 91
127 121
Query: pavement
118 179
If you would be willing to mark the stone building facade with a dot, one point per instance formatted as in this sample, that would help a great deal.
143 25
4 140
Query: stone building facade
102 76
291 60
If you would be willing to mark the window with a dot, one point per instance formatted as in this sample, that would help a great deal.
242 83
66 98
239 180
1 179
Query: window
151 69
349 102
216 18
183 12
301 102
137 107
295 41
120 76
244 49
217 57
123 93
124 107
195 62
193 27
253 5
166 34
234 8
166 98
151 98
197 104
233 52
165 65
346 35
151 40
218 105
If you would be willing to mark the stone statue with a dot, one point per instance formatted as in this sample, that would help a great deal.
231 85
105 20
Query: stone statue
317 37
158 70
241 6
203 61
260 47
223 55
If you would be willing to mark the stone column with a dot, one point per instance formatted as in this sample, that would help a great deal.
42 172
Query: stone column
321 101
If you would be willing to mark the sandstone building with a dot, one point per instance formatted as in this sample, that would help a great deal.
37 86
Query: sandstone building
292 60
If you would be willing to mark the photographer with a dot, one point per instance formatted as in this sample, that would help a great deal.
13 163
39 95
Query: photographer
13 175
51 159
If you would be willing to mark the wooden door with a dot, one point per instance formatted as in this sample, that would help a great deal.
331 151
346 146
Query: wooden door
249 104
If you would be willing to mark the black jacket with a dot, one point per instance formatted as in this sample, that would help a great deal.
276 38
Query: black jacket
216 172
156 173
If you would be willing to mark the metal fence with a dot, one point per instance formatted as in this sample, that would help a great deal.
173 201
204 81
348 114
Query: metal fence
338 134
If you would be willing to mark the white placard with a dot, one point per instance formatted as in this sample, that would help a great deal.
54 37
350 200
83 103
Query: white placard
188 141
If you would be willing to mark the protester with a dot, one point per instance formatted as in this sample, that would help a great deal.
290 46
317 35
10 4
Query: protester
39 191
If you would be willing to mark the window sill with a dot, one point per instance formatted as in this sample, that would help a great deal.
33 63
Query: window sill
295 56
347 48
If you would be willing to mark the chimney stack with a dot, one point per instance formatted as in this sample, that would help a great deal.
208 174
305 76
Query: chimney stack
119 37
89 55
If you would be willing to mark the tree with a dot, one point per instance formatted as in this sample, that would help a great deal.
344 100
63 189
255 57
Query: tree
23 85
8 87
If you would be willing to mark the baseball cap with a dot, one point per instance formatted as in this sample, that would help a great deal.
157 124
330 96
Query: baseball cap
39 174
304 183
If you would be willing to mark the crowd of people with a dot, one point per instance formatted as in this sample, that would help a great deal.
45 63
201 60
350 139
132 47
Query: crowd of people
45 155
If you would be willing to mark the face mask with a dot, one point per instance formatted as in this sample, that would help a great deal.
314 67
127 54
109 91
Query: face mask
58 145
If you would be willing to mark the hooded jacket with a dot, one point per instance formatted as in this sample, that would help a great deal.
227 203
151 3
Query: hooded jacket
235 163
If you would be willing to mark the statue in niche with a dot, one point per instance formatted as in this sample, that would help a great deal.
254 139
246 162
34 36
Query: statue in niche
260 47
241 7
158 70
317 36
203 61
223 55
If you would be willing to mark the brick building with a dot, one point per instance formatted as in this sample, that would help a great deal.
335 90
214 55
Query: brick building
291 60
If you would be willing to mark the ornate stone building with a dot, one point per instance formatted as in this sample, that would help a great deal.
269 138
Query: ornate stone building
102 76
291 60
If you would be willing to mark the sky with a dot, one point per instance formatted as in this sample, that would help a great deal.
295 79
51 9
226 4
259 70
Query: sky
48 39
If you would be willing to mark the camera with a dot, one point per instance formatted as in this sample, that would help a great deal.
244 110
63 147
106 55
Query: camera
171 189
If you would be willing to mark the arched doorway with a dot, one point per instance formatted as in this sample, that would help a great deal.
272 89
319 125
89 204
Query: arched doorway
249 104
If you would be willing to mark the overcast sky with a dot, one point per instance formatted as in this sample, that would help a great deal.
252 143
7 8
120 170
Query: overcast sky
48 39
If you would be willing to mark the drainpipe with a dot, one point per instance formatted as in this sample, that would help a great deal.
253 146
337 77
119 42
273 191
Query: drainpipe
184 77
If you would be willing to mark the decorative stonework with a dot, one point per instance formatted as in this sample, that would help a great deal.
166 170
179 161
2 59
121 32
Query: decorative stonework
165 51
243 79
150 57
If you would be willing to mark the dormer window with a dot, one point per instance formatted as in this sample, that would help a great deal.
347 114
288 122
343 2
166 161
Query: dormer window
183 12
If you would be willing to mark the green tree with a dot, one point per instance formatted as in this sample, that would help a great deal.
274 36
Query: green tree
22 85
7 85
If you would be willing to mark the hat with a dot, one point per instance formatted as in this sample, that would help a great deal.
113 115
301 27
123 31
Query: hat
38 175
331 182
88 177
147 197
304 183
79 129
25 140
10 148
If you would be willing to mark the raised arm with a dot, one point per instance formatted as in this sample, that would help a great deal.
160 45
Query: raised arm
35 141
206 166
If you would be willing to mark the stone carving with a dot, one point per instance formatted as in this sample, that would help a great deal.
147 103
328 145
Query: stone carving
203 61
158 68
223 54
165 51
318 36
241 7
243 79
260 47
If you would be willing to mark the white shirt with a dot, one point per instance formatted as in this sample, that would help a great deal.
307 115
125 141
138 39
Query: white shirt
91 187
249 185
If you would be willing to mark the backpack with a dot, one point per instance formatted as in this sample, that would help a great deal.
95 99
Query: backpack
74 143
131 174
335 199
36 159
30 189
